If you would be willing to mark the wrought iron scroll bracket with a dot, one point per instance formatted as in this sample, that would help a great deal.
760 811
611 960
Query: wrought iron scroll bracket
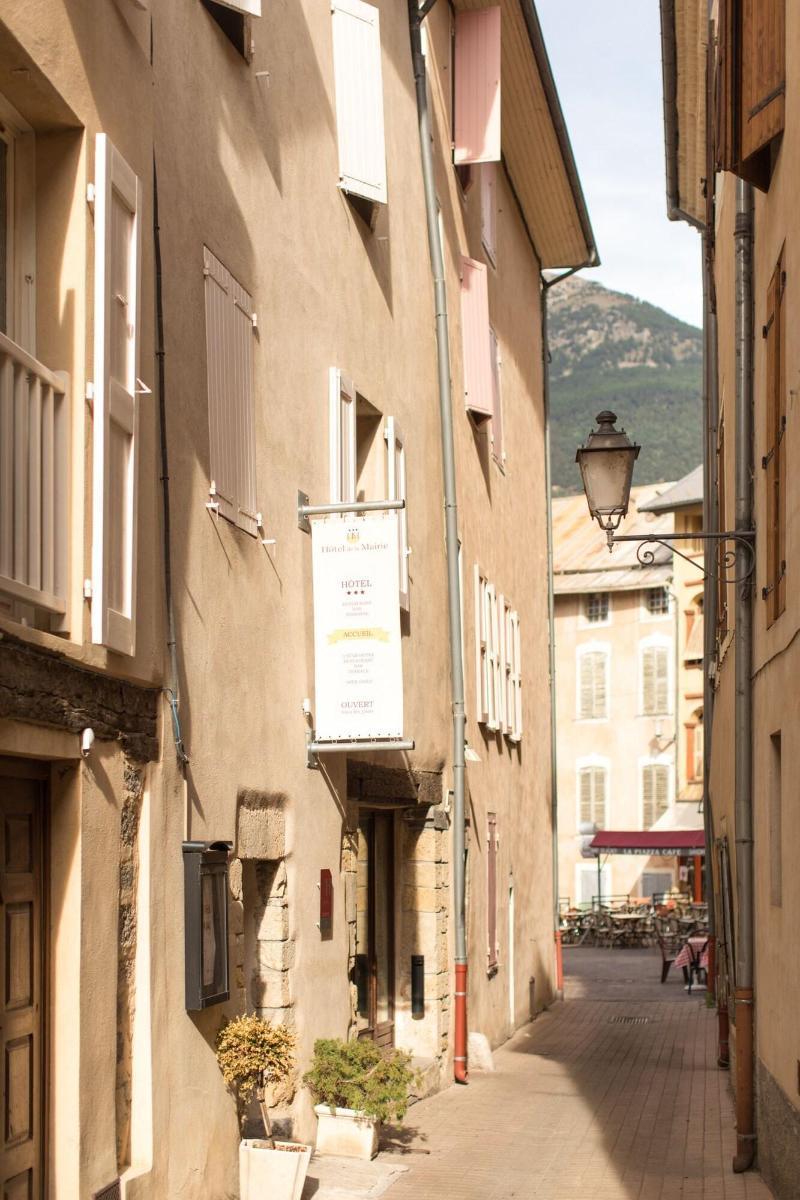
726 561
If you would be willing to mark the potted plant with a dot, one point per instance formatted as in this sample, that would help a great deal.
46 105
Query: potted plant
253 1055
357 1086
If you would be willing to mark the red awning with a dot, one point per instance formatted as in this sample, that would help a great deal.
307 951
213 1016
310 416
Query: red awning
651 841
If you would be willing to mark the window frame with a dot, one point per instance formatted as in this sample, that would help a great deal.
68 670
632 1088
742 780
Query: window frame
656 641
647 613
583 651
585 621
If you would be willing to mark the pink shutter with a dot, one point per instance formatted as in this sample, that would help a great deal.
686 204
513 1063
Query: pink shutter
477 87
476 338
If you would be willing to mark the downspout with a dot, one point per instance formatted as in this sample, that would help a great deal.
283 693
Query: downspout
172 690
743 993
415 18
551 624
710 525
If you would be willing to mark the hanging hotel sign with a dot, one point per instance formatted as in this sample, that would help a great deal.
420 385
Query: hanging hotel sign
357 649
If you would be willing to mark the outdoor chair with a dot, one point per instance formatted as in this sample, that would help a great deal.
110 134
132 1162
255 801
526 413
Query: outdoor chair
669 951
697 973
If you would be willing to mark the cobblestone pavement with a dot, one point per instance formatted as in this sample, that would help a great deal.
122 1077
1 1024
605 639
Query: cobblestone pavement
612 1095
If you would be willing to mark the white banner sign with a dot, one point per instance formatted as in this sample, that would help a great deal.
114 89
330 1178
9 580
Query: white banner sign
357 651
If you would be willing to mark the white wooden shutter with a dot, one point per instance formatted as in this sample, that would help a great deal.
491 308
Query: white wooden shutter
599 775
477 86
585 795
502 659
492 656
475 336
662 679
498 439
117 217
648 680
489 210
342 408
231 415
661 790
396 474
516 680
251 7
481 689
359 99
648 797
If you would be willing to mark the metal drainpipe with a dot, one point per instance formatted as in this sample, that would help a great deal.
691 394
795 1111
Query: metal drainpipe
551 619
415 18
743 994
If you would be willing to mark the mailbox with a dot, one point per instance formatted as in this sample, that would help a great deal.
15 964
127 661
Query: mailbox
205 895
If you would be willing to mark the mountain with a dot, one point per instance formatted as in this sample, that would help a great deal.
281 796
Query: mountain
609 350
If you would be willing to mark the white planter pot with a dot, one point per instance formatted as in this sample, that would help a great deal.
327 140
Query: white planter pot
346 1133
267 1174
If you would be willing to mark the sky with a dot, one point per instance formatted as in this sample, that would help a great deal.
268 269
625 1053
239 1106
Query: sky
606 59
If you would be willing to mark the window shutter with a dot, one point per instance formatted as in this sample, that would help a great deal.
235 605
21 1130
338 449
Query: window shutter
726 88
396 462
492 656
775 458
117 215
498 440
586 795
600 666
342 409
648 680
648 805
586 686
359 99
662 679
489 210
481 690
763 65
504 651
477 86
251 7
231 416
661 790
476 338
516 680
599 815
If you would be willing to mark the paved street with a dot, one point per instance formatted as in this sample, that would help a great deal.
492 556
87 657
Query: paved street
613 1095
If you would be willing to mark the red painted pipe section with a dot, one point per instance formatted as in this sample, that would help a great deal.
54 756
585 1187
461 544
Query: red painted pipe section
724 1049
460 1049
745 1131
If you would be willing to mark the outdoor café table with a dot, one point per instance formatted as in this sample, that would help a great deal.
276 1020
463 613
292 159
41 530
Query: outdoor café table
627 923
687 954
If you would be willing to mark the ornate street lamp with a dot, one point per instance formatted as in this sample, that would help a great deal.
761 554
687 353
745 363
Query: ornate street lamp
606 462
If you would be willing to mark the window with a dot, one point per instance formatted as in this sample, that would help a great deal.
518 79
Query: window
117 228
231 416
693 524
597 608
231 16
657 601
496 423
751 87
655 792
492 845
359 103
774 461
587 882
489 211
593 796
476 339
592 684
655 679
498 672
655 883
476 109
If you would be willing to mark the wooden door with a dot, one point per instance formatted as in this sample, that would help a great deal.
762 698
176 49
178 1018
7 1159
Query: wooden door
21 999
375 940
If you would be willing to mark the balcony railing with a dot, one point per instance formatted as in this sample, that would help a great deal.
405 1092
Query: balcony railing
34 470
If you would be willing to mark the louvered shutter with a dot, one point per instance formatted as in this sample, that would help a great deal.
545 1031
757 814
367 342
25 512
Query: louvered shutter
586 798
516 679
599 679
648 681
481 689
599 799
498 440
648 797
662 679
586 686
503 653
477 86
342 421
231 416
476 338
117 217
359 99
661 790
251 7
763 66
492 656
489 210
775 457
396 464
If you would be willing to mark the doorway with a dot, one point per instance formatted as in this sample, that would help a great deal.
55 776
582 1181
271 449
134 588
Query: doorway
22 1033
375 928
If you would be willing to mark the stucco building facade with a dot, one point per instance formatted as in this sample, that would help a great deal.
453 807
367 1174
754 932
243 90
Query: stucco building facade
217 275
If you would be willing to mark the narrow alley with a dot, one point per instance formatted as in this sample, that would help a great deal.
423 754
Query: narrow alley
612 1095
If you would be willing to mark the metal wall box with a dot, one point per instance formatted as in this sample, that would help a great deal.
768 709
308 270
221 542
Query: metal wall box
205 895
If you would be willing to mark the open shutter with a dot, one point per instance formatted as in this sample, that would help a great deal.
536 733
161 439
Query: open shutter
251 7
585 778
342 419
662 679
481 689
489 211
492 656
117 216
585 686
359 99
516 679
648 797
648 680
396 473
503 652
775 457
491 889
599 816
477 87
662 790
476 338
763 66
498 439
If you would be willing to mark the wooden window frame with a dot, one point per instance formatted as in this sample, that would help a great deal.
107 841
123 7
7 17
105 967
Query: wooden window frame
750 87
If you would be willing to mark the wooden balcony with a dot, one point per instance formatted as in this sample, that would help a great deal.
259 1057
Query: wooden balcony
34 474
